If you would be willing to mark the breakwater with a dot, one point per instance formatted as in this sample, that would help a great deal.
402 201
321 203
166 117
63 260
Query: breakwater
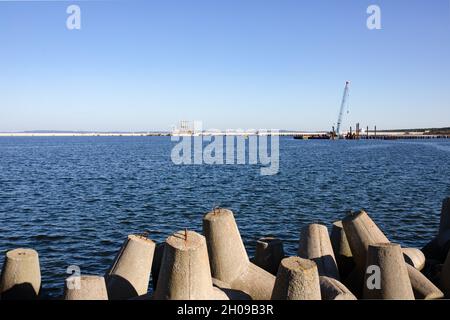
403 137
68 197
216 266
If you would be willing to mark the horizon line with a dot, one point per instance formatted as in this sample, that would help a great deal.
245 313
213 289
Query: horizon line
205 130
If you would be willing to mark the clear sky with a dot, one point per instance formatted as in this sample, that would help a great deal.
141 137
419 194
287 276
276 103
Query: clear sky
145 65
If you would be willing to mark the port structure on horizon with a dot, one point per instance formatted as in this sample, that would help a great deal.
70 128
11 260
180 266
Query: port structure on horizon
344 105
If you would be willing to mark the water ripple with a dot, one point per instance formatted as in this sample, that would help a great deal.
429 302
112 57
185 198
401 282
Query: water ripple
75 199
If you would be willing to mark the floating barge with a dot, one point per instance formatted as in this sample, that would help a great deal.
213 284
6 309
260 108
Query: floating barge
313 137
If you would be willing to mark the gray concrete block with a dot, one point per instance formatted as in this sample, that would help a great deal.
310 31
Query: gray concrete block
228 258
21 275
297 279
129 276
185 272
315 245
268 254
85 287
332 289
394 279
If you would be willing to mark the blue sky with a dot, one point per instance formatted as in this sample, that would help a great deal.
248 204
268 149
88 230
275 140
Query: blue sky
145 65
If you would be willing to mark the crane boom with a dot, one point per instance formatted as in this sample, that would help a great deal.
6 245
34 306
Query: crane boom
344 103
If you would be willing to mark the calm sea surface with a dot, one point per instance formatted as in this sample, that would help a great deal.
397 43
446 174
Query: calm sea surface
75 199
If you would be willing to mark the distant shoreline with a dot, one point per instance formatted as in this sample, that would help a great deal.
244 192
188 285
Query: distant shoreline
390 132
144 134
73 134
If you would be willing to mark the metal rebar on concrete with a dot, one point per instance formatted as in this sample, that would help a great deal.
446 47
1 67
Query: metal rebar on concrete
85 287
297 279
315 245
21 275
185 273
332 289
422 287
268 254
394 282
342 251
228 258
414 257
129 275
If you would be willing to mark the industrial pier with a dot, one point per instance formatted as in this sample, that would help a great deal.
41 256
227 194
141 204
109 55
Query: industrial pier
358 134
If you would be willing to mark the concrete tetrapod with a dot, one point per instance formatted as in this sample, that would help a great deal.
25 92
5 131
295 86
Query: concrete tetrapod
331 289
361 232
129 276
156 265
268 254
438 248
390 279
444 223
228 259
422 287
445 277
342 251
297 279
315 245
231 293
21 275
85 288
414 257
185 273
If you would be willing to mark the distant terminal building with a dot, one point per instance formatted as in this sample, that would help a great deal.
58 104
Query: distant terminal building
185 127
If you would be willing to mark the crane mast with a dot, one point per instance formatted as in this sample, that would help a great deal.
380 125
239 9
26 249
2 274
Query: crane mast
344 103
